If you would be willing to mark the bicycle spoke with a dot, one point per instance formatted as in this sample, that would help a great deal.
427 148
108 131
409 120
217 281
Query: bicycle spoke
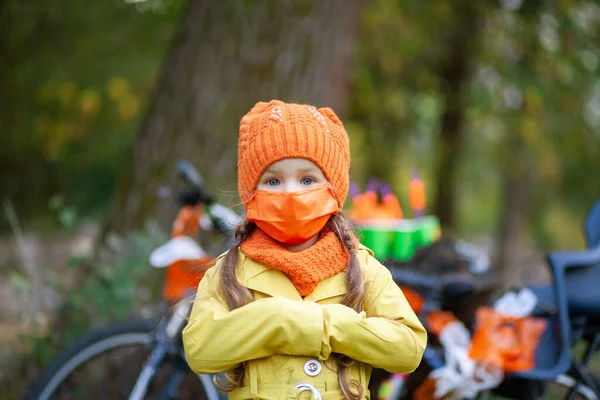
108 363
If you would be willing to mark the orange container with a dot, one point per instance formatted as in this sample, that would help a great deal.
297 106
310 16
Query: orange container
185 275
415 301
506 342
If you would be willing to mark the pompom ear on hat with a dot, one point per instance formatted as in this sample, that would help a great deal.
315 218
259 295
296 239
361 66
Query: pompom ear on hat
328 112
274 131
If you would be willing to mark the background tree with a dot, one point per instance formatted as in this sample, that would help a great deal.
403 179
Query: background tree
458 43
226 56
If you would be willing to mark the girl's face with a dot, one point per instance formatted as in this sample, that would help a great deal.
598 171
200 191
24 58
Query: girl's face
291 175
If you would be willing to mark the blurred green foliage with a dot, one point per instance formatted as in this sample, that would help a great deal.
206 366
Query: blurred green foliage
107 290
535 75
79 77
96 293
76 79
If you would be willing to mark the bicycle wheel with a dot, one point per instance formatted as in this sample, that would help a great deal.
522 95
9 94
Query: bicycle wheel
106 364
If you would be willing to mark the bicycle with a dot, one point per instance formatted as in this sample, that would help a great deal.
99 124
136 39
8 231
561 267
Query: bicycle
143 358
153 346
163 372
570 305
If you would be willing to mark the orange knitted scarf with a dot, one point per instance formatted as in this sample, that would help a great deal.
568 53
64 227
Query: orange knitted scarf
306 268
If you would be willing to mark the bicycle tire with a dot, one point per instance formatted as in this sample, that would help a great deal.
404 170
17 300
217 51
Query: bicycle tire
95 344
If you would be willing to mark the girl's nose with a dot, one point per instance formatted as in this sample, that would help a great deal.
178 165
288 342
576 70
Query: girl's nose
291 186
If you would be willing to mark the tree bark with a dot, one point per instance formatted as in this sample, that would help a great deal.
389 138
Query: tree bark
512 239
228 55
455 72
517 260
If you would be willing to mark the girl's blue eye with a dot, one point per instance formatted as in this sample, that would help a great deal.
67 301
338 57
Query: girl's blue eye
307 181
272 182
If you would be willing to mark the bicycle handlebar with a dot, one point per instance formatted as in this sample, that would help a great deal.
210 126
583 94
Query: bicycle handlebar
222 218
190 175
198 192
434 286
415 279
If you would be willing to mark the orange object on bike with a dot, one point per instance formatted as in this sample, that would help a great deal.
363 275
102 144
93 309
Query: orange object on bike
506 342
187 222
438 320
415 301
360 209
416 192
363 206
370 198
185 275
426 390
366 206
391 204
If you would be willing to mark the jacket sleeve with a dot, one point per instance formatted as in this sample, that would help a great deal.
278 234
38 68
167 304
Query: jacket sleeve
216 339
386 335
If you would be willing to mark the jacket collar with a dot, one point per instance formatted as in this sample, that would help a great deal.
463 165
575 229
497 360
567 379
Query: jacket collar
273 282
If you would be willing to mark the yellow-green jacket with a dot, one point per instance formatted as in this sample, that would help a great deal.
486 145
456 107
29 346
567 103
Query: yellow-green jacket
284 340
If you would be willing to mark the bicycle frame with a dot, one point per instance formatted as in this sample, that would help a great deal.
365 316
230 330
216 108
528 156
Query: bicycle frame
182 277
168 342
579 367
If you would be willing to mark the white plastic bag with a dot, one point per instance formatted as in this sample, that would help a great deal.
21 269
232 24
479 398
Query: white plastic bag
461 377
517 305
176 249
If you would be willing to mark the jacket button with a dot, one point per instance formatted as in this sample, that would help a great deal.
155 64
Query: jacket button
312 367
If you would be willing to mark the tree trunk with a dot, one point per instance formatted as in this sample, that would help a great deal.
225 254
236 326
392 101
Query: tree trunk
517 260
228 55
512 239
455 76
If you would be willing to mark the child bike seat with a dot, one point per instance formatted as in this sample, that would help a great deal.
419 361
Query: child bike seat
573 293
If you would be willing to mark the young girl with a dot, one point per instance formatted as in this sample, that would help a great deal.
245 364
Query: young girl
297 308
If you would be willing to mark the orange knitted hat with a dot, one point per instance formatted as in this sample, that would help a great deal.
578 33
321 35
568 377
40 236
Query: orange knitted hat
273 131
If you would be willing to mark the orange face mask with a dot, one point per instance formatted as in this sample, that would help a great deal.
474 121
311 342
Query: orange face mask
292 217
